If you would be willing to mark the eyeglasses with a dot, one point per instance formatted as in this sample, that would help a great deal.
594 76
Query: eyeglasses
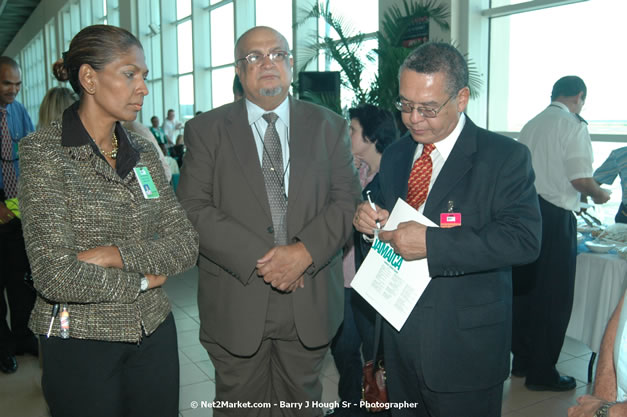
426 112
256 58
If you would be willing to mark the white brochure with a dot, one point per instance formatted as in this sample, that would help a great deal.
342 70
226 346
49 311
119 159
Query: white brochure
389 283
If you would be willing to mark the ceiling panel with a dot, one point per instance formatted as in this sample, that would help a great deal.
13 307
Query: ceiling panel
13 15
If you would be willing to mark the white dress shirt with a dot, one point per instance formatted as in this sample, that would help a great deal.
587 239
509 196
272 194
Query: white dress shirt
561 151
259 125
440 154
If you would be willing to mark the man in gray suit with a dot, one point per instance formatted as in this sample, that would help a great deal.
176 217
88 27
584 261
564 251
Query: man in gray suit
270 186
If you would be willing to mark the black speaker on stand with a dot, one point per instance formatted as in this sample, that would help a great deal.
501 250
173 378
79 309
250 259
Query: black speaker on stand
321 88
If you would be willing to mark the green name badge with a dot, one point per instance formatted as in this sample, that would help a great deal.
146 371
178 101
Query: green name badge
145 182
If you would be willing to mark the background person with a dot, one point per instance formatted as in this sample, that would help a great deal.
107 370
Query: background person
56 100
157 131
452 354
15 123
98 246
615 164
269 183
171 126
371 130
561 153
610 383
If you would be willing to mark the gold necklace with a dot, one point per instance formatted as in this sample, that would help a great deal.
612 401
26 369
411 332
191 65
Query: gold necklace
113 153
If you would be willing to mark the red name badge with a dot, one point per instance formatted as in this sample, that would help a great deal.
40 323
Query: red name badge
450 220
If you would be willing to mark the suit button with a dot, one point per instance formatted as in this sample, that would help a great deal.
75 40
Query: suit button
270 229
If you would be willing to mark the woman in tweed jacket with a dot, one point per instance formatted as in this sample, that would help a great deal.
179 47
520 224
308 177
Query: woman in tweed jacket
99 244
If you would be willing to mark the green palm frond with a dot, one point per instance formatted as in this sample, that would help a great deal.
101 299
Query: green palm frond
345 50
348 47
396 21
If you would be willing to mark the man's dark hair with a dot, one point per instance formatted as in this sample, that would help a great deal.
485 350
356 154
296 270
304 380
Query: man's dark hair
378 125
569 86
433 57
5 60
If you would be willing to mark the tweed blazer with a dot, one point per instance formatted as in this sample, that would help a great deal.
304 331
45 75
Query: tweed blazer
73 200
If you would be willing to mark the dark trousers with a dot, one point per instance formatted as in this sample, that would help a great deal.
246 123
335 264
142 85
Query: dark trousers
364 316
407 386
543 297
345 348
282 369
96 378
21 297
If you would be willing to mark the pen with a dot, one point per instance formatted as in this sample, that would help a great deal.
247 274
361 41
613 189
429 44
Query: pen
373 207
55 311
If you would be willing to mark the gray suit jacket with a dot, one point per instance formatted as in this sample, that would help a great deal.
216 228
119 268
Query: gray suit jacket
222 188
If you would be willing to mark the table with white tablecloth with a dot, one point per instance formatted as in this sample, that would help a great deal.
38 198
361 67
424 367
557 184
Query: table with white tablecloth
599 285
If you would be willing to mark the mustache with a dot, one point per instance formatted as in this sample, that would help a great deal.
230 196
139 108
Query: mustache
272 73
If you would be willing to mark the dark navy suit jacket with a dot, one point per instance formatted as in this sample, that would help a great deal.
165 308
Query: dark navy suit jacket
462 323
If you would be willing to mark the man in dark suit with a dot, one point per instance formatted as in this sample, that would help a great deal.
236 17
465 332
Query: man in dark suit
452 355
270 186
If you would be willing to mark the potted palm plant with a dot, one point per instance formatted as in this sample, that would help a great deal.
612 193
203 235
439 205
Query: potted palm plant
348 49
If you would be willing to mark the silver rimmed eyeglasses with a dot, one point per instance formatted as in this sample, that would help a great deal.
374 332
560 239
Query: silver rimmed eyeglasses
426 112
256 58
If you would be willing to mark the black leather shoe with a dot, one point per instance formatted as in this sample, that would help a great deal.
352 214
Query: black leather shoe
8 364
565 383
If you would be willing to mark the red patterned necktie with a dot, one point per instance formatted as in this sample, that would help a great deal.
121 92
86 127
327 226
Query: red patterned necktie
420 177
9 177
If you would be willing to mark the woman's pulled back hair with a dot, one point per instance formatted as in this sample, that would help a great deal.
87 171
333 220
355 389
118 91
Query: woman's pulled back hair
96 45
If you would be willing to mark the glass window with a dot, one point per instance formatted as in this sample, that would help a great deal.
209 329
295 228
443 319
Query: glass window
277 14
222 35
52 53
75 18
362 19
530 51
112 12
156 91
33 76
149 18
183 9
186 97
222 86
86 12
185 48
499 3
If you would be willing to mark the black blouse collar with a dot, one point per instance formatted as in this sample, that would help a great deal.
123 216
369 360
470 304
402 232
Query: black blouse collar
74 134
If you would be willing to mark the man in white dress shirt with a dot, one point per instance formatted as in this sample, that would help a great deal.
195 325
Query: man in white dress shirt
561 154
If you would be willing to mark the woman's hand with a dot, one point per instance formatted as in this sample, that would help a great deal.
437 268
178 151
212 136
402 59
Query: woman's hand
155 280
104 256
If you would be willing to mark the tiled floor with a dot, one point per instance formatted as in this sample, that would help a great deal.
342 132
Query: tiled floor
20 393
